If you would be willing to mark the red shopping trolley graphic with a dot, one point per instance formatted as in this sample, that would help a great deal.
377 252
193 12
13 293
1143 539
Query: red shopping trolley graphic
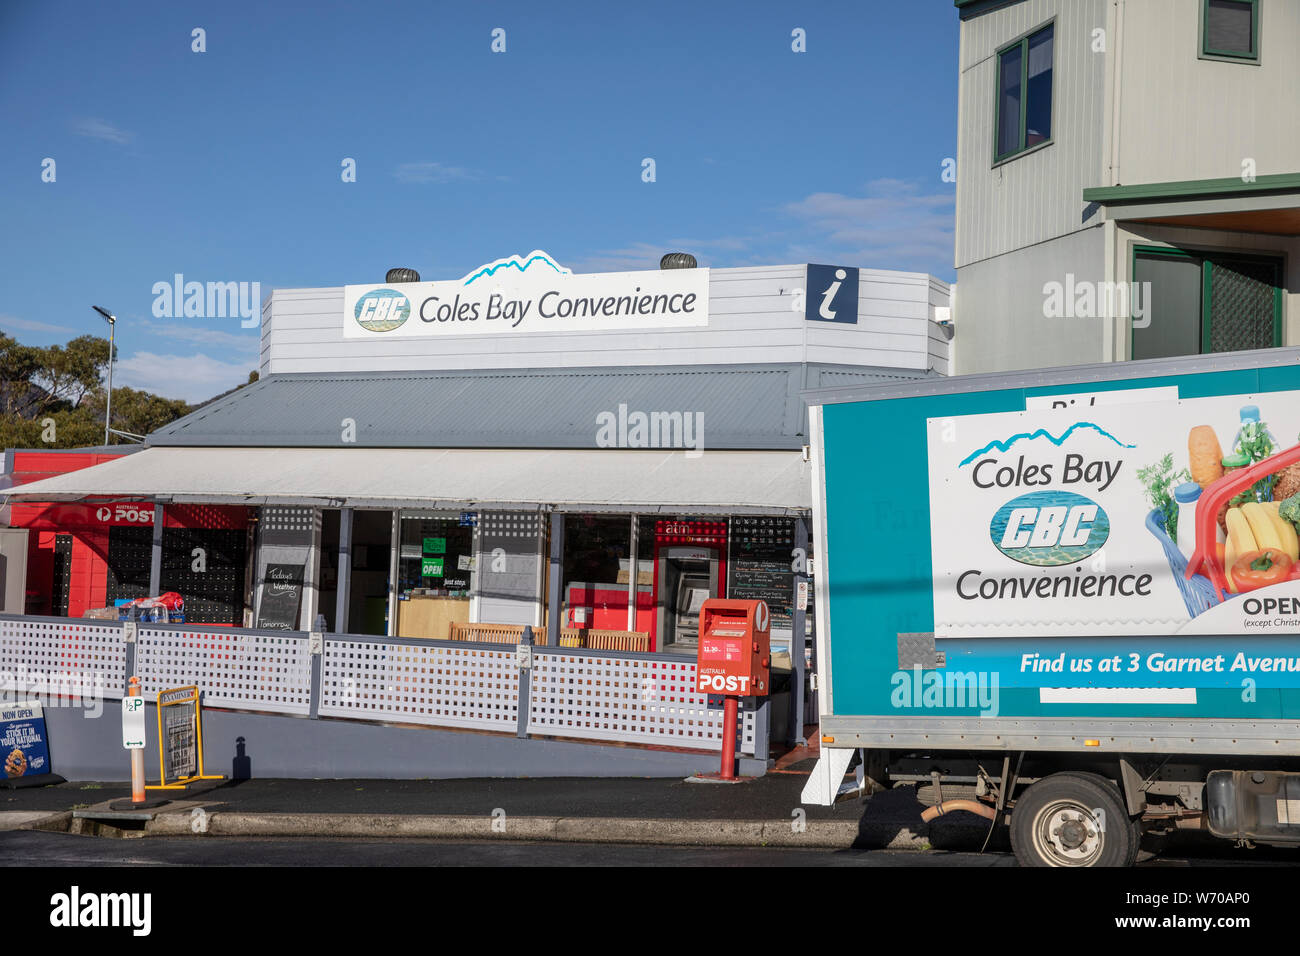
1205 558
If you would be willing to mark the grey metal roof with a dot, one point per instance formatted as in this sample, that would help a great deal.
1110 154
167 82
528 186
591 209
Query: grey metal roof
742 406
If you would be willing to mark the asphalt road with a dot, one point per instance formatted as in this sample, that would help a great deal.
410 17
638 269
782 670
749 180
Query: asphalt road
32 848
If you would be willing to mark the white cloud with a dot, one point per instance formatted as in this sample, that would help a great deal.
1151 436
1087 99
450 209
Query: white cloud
31 325
194 378
248 345
98 129
432 173
646 255
638 256
892 225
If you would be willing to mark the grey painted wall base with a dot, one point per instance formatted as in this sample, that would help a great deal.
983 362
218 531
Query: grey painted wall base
82 748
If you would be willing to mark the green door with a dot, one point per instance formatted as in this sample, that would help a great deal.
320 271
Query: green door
1205 302
1243 304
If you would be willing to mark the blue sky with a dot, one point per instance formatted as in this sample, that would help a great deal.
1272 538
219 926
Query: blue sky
225 165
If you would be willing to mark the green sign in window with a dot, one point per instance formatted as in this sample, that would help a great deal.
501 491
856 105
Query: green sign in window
435 545
431 567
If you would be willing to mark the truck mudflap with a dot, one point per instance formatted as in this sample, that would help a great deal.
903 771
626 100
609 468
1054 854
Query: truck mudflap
826 782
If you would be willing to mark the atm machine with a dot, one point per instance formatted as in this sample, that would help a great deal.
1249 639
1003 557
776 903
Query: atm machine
685 577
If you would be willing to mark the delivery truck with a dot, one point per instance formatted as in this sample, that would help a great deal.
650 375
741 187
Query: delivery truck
1066 600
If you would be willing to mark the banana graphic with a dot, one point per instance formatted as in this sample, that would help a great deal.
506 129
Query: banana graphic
1241 540
1262 527
1229 559
1285 529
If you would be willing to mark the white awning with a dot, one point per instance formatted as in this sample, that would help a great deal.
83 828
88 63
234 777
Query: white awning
622 480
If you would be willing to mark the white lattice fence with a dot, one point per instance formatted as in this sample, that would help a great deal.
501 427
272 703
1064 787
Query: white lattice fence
643 699
242 670
458 686
62 656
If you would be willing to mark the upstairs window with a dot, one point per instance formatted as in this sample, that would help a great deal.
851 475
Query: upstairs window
1024 94
1230 28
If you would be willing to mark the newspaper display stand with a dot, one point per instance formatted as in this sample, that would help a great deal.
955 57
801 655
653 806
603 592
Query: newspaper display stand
180 739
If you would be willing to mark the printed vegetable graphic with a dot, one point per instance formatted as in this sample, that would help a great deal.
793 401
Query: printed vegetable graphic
1290 508
1256 442
1159 479
1259 569
1204 455
1221 577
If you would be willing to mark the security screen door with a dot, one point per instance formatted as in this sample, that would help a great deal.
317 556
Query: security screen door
1206 302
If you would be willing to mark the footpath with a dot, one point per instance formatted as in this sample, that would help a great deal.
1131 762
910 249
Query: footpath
762 812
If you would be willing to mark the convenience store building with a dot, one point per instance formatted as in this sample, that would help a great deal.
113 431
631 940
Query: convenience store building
589 455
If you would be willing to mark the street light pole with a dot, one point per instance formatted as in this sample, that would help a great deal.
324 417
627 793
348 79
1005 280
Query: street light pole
108 398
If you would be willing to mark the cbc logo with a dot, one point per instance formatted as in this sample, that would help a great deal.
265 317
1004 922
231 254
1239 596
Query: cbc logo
382 310
1049 528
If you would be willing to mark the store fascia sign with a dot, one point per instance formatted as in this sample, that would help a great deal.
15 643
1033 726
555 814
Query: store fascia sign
531 293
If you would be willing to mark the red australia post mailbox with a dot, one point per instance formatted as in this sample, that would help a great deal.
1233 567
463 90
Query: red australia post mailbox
734 654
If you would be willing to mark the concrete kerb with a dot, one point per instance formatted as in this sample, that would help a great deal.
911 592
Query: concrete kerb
820 834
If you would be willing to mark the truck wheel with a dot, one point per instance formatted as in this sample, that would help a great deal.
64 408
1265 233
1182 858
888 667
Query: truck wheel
1073 819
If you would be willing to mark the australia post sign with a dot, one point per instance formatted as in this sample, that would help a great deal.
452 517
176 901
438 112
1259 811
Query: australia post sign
527 294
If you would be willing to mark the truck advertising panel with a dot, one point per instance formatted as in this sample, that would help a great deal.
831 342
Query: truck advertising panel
1086 543
1079 522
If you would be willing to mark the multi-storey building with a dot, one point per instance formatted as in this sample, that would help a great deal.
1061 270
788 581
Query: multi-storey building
1128 180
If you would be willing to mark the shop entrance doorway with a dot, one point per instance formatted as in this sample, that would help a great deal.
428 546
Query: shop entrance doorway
368 578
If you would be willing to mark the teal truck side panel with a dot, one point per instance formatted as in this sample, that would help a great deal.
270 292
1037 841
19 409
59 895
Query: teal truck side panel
874 465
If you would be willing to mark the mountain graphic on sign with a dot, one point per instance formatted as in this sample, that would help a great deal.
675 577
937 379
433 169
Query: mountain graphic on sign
1041 433
537 259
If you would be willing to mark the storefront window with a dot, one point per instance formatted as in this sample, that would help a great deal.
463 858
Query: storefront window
596 549
435 574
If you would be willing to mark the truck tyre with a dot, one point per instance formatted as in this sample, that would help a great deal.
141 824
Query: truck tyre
1074 819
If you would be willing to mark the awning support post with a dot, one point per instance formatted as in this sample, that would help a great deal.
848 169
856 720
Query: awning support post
555 587
155 555
634 550
342 600
394 553
798 632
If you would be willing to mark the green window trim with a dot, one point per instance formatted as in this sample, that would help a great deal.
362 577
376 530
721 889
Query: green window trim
1251 56
1023 45
1208 258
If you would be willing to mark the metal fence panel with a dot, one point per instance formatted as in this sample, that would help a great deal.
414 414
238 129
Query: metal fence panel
235 668
62 656
445 685
633 698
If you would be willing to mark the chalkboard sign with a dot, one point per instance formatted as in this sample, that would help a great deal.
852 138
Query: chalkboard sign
281 593
768 581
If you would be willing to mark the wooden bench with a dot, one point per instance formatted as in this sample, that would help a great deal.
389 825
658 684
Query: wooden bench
487 633
599 640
